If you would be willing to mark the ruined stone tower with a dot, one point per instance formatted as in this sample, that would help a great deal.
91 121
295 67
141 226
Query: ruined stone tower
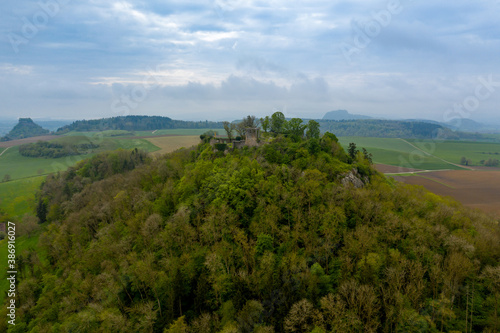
252 135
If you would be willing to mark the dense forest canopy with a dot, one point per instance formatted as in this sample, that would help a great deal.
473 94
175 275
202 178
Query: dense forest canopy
135 123
26 128
295 235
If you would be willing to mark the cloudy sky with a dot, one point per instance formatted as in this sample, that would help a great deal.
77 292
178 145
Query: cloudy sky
222 59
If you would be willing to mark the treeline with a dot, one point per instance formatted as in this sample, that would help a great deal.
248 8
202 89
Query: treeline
26 128
55 150
395 129
492 162
273 238
135 123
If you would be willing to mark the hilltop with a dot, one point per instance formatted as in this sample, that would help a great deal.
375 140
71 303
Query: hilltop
25 128
386 129
343 115
293 235
134 123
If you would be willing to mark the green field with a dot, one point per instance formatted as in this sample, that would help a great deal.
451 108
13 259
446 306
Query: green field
19 167
399 153
17 197
427 154
453 151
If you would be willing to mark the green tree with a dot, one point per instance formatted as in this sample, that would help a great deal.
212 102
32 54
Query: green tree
178 326
352 151
265 123
368 156
42 209
264 243
296 127
278 122
313 131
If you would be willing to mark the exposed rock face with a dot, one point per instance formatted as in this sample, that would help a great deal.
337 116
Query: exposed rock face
353 178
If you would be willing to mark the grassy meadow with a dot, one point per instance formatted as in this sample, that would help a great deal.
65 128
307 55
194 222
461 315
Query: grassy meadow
169 144
17 197
453 151
392 151
411 153
19 167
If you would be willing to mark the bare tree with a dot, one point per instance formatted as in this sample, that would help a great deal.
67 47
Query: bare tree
229 128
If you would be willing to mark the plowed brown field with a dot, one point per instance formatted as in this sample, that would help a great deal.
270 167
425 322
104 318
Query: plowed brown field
477 189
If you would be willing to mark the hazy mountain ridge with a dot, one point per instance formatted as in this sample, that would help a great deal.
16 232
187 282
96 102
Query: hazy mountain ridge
387 129
343 115
457 124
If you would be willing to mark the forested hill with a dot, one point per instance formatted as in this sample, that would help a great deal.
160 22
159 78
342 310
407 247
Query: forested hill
274 238
387 129
26 128
135 123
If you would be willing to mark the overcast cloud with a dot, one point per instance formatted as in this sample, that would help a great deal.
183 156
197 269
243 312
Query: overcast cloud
221 59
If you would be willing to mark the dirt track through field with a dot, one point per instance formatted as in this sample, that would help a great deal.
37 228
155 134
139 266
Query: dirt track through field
4 151
439 158
477 189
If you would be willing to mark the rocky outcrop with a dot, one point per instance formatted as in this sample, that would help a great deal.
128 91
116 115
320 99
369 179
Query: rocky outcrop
353 178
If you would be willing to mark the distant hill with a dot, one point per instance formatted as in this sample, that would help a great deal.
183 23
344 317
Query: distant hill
462 124
383 128
135 123
26 128
467 125
343 115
